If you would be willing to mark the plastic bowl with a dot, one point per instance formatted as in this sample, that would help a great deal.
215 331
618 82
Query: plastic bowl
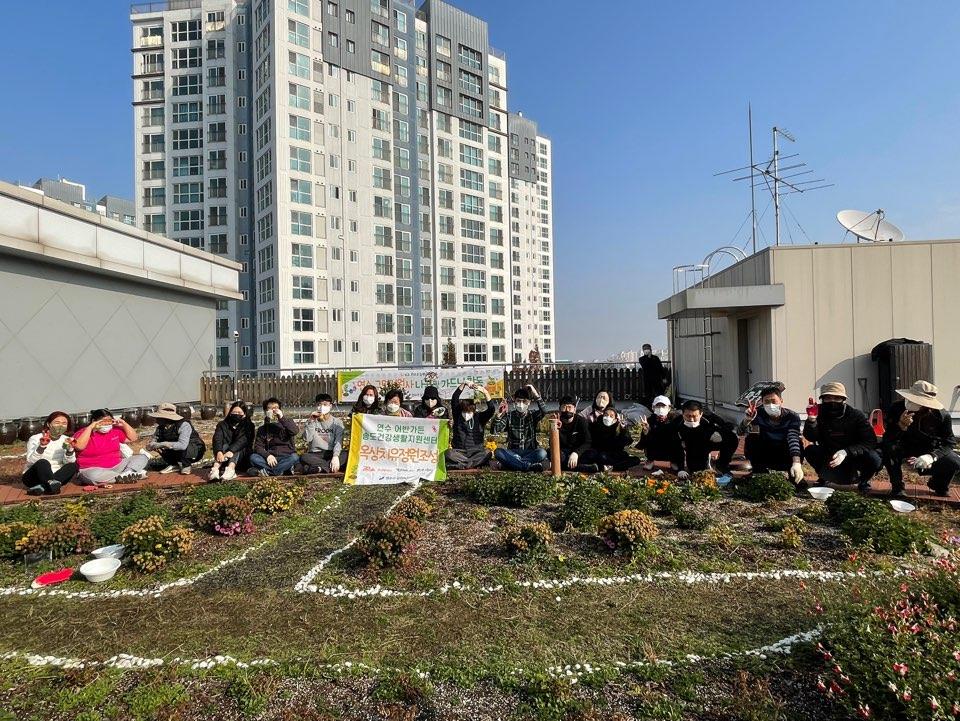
902 506
100 570
724 480
114 551
821 493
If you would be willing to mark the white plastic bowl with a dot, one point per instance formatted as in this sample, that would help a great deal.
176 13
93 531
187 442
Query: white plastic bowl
114 551
821 493
100 570
724 480
902 506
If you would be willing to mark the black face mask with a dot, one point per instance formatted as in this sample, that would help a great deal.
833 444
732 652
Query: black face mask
566 415
234 420
832 409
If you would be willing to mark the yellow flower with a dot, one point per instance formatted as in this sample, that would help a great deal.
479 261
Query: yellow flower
651 483
604 490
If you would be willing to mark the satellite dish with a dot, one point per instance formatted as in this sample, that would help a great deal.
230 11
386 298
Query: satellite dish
870 227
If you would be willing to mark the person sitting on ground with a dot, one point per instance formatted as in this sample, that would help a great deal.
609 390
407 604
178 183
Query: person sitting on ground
772 436
368 402
601 401
393 405
575 453
467 449
232 443
176 440
660 436
430 405
523 452
99 456
842 443
609 441
274 452
51 457
701 433
919 432
323 433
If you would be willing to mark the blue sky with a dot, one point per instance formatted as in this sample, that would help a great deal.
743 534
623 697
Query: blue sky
644 103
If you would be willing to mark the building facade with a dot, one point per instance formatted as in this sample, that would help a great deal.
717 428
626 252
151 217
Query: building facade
357 158
67 191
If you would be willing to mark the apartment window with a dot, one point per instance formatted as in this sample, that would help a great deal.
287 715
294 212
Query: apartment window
402 213
298 33
403 241
497 306
471 180
299 128
153 170
300 159
301 191
405 324
382 207
400 21
301 255
404 269
334 39
217 133
385 353
445 173
472 229
151 90
217 243
447 250
183 58
471 131
379 33
402 158
186 112
471 155
216 77
185 30
443 46
444 148
381 178
401 131
187 193
302 287
154 197
384 323
381 149
299 96
187 138
404 297
447 276
474 278
155 223
383 265
187 84
470 58
217 159
351 46
474 353
303 320
471 253
384 294
298 64
303 351
218 215
403 186
496 259
216 49
470 82
268 353
444 97
380 62
187 220
350 16
383 236
265 259
445 199
151 36
474 328
472 204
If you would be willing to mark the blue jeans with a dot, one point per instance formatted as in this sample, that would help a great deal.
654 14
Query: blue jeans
520 460
284 463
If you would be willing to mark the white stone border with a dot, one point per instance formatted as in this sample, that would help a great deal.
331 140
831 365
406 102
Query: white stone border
158 590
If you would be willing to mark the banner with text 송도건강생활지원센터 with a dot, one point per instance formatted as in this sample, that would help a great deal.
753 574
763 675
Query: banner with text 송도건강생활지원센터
393 449
412 381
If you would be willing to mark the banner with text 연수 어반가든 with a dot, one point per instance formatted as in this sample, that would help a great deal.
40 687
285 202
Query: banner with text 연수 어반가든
412 381
394 449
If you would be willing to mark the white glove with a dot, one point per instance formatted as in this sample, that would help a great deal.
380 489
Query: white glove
716 437
572 461
838 458
796 472
682 475
334 464
271 460
923 462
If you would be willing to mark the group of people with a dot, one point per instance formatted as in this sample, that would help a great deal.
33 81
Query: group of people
841 445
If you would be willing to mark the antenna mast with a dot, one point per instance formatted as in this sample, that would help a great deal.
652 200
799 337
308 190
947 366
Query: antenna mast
753 193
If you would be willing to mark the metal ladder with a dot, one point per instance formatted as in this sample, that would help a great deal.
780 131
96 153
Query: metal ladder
709 397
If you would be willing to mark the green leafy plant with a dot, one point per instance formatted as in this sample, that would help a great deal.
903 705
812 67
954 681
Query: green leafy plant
385 541
691 519
722 536
228 516
528 539
107 525
61 539
11 534
152 544
510 489
23 512
590 499
846 505
759 487
628 532
414 508
271 495
887 532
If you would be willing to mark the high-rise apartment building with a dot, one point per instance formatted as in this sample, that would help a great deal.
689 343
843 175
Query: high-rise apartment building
358 159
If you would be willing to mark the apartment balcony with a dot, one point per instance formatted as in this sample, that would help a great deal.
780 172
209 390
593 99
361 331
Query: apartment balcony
152 147
147 71
215 26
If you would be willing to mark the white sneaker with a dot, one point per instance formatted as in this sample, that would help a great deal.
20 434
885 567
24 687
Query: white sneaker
186 470
140 475
169 469
263 473
215 472
229 474
145 452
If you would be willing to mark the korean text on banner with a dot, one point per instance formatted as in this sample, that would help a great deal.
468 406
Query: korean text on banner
390 449
412 381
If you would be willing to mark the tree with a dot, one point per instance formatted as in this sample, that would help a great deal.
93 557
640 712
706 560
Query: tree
449 353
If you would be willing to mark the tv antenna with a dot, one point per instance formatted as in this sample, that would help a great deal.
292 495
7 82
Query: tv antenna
776 179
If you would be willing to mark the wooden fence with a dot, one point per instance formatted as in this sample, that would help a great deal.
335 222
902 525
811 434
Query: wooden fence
553 382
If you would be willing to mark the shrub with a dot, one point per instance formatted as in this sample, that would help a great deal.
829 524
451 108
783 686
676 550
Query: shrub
510 489
814 513
528 540
23 512
107 525
61 539
722 536
270 495
216 491
152 545
846 505
898 659
385 540
702 485
627 532
770 486
228 516
10 535
414 508
691 519
887 532
590 499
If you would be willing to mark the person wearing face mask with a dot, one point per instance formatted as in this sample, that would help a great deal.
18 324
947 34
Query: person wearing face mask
842 443
99 456
51 458
656 377
919 432
232 442
660 436
368 402
430 405
393 405
575 442
609 441
772 436
176 440
324 436
274 451
467 449
601 402
702 432
523 452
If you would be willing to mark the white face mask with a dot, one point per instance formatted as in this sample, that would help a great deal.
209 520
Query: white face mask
467 417
691 424
393 407
601 402
104 429
911 406
609 420
661 411
522 406
772 409
368 400
430 402
325 409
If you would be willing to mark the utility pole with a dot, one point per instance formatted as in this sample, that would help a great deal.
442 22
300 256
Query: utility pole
753 193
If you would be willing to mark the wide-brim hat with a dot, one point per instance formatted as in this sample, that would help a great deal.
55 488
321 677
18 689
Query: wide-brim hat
923 394
167 412
833 388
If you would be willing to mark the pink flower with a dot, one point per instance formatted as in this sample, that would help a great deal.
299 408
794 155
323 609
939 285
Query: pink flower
901 668
907 696
934 705
821 686
864 711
